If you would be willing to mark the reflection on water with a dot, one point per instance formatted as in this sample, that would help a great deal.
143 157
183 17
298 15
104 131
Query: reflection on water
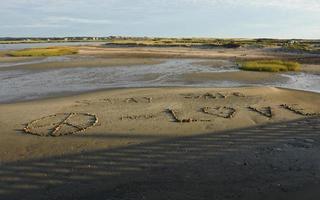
22 85
302 81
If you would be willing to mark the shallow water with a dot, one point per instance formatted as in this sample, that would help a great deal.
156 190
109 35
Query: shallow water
302 81
18 85
36 61
4 47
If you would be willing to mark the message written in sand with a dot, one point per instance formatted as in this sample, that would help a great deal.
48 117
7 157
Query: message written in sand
264 111
222 111
229 112
184 108
130 100
61 124
298 110
135 100
209 95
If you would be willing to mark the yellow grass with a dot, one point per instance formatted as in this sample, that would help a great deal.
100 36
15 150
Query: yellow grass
38 52
270 66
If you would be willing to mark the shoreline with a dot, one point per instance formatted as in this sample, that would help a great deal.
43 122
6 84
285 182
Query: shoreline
72 94
67 77
108 138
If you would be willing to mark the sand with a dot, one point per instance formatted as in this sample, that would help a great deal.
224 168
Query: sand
114 143
137 115
93 56
80 61
243 77
163 143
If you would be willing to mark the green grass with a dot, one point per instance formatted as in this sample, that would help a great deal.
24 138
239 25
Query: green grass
270 66
40 52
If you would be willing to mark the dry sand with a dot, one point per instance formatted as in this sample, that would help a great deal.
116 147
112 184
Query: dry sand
122 144
180 143
136 115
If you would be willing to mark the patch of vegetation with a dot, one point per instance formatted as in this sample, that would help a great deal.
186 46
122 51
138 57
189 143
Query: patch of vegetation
289 45
298 47
270 66
177 42
40 52
310 46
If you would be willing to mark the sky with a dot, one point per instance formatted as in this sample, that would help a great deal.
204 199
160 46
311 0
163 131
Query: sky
161 18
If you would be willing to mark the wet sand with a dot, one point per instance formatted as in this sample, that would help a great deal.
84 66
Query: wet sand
243 77
73 62
68 75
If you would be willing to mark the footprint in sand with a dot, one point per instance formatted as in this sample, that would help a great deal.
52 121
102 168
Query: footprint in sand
61 124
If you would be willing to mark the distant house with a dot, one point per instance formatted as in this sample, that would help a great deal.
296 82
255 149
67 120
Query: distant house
293 41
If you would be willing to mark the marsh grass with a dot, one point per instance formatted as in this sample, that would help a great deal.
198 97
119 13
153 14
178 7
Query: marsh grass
40 52
298 47
180 42
270 66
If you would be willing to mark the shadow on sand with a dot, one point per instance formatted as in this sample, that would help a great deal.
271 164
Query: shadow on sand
239 164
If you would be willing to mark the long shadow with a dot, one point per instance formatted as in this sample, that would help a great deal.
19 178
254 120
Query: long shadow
155 166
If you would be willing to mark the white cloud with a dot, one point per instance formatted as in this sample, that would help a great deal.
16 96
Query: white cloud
310 5
286 4
58 20
164 17
37 25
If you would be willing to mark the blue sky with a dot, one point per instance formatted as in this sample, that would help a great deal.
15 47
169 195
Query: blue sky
167 18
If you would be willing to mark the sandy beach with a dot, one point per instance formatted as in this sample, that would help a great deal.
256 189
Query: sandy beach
156 113
154 123
41 138
159 100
